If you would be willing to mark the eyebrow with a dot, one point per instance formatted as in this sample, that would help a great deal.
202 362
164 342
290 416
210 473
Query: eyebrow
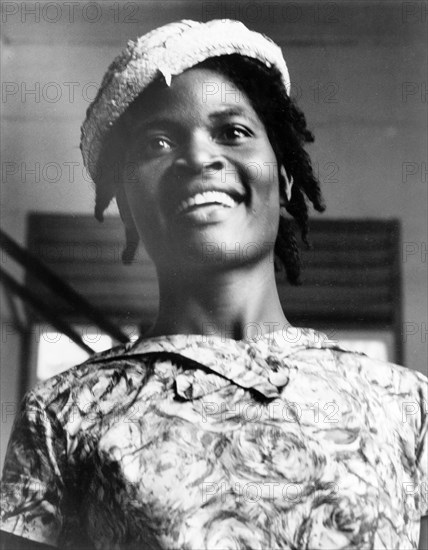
232 111
154 122
171 123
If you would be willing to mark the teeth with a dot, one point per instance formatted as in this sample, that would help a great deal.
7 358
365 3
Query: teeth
208 197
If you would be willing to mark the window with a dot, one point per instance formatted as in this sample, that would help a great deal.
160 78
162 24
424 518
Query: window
54 352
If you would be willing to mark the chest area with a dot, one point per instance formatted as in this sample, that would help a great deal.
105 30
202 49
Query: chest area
266 469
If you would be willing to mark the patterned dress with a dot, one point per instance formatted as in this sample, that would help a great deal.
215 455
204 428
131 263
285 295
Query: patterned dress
193 442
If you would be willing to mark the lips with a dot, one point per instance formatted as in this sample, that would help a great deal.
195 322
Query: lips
207 198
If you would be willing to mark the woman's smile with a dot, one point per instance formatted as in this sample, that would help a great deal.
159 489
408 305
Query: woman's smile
207 207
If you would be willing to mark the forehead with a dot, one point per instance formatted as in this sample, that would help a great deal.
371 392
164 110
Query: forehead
195 92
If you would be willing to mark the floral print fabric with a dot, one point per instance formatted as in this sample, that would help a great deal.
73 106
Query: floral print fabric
193 442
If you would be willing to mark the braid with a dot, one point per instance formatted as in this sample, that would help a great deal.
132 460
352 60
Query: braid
108 184
286 127
109 170
297 207
103 197
287 251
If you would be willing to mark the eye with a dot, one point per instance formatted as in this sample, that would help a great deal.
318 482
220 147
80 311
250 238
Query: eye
233 133
158 144
151 146
148 145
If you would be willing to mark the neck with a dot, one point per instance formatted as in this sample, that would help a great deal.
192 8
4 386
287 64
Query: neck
240 303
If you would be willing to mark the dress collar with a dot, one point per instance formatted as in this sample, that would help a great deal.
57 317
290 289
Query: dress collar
254 363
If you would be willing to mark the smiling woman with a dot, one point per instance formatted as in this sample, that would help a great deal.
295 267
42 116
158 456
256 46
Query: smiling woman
223 426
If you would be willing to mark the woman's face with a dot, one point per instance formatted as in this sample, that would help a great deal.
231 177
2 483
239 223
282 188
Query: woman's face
201 176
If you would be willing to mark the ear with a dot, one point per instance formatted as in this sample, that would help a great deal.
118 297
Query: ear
283 183
288 182
131 233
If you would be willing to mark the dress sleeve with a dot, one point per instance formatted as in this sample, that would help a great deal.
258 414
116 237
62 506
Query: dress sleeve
422 446
32 485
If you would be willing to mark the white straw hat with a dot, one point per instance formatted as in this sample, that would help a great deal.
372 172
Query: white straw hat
167 50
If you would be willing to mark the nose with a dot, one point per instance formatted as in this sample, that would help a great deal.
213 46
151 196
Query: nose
198 154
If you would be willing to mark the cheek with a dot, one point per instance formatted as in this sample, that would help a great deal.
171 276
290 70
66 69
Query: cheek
262 170
141 196
140 185
266 183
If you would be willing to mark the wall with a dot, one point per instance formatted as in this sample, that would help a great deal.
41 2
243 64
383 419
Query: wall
356 67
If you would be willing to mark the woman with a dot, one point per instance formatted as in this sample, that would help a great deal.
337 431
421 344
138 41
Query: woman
223 427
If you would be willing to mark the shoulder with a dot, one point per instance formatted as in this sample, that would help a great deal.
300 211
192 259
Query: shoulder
316 348
383 374
110 376
390 389
399 393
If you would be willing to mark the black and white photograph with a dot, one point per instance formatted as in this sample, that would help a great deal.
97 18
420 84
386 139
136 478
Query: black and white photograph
213 279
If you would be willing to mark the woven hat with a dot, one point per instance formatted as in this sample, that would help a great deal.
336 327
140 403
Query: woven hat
167 50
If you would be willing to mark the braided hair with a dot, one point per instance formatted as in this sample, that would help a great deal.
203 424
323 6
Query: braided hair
286 128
